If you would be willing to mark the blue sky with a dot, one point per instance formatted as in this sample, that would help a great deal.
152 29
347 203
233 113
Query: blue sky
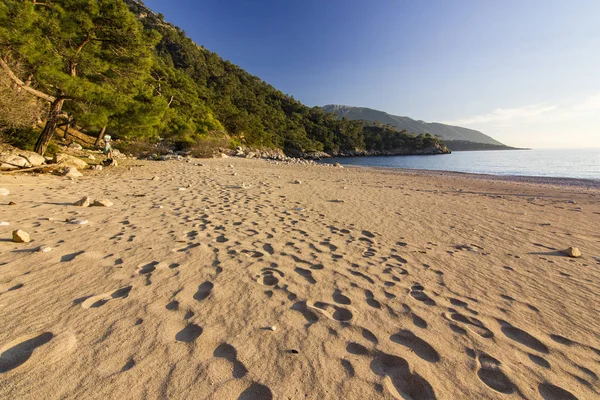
524 72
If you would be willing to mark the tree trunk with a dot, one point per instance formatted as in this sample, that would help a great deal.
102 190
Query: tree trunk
100 135
42 143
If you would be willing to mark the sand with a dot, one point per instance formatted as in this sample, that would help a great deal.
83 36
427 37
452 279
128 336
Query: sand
233 282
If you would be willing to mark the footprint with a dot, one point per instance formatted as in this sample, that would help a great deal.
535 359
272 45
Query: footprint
302 308
399 381
490 373
519 335
339 298
203 291
332 311
306 274
229 353
100 300
551 392
371 299
188 334
18 352
417 292
473 324
256 391
416 344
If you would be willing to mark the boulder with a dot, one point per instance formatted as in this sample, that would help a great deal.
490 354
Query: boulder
20 236
12 161
102 203
75 146
70 161
34 159
572 252
83 202
223 155
72 172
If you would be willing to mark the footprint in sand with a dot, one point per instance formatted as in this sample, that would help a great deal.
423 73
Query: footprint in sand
371 299
339 298
100 300
19 351
188 334
520 336
416 344
473 324
332 311
302 308
256 392
268 278
552 392
204 291
489 372
229 353
417 292
306 274
399 380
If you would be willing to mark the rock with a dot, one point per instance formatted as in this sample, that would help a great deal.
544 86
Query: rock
20 236
97 167
72 172
223 155
45 249
70 161
102 203
12 203
155 178
251 155
273 328
4 223
182 189
75 146
91 157
337 164
77 221
572 252
12 161
298 182
4 192
83 202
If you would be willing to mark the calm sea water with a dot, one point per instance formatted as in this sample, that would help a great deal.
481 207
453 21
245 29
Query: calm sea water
568 163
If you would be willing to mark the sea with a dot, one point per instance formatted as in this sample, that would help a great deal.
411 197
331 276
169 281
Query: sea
556 163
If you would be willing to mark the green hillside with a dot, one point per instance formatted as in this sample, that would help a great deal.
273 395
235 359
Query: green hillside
116 66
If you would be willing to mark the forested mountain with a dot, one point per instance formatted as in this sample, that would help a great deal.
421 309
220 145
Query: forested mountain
115 66
446 132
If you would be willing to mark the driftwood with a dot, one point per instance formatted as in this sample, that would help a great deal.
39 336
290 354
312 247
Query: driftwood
28 169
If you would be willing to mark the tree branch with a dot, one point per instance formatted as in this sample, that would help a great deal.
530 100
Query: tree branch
22 84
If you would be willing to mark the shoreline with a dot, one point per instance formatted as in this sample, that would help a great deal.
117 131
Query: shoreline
540 180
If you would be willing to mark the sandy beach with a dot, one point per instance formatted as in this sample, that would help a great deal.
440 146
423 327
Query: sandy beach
242 279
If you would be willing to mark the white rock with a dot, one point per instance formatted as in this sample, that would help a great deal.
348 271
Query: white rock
297 181
273 328
91 157
70 161
45 249
155 178
77 221
102 203
4 192
223 155
181 189
20 236
72 172
4 223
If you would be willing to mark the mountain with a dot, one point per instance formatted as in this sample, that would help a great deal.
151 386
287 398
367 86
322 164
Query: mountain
447 132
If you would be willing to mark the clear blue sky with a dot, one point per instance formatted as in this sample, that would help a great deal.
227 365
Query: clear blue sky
524 71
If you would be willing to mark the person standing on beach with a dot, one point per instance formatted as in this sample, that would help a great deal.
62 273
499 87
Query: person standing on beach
108 147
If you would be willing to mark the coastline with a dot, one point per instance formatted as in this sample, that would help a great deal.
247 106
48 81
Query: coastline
234 278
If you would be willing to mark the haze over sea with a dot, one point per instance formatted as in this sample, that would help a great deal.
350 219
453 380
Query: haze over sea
559 163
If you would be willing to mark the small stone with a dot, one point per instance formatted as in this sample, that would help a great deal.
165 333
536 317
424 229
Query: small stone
182 189
20 236
155 178
223 155
72 172
103 203
83 202
273 328
572 202
45 249
572 252
297 181
91 157
77 221
4 192
12 203
4 223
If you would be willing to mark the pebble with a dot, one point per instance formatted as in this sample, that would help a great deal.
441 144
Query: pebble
181 189
12 203
45 249
72 172
77 221
20 236
297 181
572 252
273 328
4 192
4 223
155 178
